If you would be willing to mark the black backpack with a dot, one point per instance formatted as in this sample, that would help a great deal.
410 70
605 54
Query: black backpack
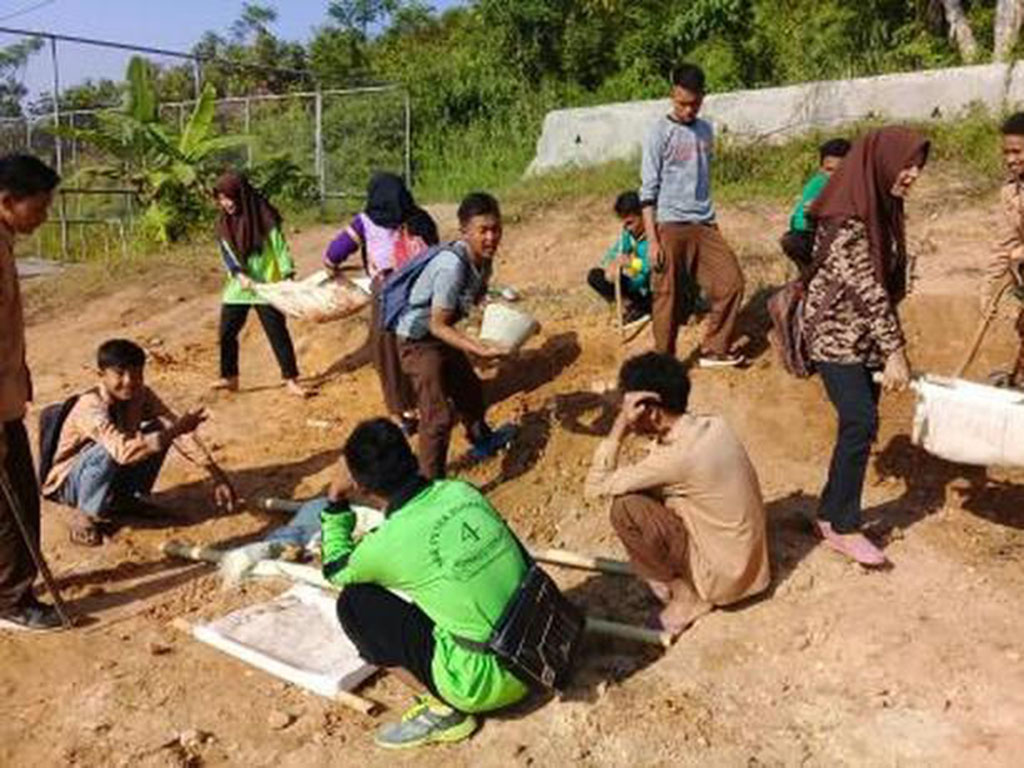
51 421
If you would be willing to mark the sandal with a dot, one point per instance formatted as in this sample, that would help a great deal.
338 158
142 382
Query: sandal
83 531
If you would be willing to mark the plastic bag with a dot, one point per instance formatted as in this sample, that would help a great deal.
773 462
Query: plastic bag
320 297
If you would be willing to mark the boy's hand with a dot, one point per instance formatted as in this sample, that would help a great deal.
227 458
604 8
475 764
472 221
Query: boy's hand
491 350
245 281
634 406
342 485
224 497
655 256
189 421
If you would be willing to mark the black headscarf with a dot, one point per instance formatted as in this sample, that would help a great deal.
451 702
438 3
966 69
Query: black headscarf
389 203
254 218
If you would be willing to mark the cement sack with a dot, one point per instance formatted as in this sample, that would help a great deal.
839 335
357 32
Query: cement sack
969 423
319 297
296 637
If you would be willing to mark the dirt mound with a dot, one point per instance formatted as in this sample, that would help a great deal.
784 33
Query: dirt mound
918 666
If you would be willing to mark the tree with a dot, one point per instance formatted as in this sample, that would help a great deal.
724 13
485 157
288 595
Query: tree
12 59
170 171
960 29
361 14
1006 28
253 22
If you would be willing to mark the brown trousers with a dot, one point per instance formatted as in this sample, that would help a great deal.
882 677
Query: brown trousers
399 396
446 387
17 569
654 536
700 250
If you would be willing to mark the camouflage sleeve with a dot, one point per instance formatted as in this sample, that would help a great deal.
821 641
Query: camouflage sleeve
857 272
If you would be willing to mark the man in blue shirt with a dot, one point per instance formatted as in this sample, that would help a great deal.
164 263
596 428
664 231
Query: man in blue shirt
679 217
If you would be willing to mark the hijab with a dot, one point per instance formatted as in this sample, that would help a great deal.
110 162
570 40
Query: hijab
862 188
247 229
389 203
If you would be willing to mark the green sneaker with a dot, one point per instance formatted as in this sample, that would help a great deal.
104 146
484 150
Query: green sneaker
428 721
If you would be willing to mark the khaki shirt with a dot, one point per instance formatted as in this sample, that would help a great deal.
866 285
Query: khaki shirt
97 418
15 384
1009 244
700 471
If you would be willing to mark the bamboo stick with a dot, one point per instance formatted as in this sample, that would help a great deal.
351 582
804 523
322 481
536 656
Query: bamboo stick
629 632
586 562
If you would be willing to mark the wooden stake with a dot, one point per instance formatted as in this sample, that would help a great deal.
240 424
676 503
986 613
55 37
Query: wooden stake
979 335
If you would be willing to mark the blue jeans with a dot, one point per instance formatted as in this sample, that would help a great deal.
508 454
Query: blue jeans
96 480
855 397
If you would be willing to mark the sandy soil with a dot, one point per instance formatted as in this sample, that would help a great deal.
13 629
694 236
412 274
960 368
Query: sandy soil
920 665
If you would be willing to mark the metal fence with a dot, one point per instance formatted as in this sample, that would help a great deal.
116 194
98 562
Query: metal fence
338 137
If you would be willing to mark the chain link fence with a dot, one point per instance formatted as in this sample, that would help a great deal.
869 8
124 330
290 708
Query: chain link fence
335 138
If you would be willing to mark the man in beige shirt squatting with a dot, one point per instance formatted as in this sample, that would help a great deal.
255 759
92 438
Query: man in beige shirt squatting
113 443
1007 262
26 191
690 514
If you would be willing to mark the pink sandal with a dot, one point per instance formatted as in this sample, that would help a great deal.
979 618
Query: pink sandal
855 546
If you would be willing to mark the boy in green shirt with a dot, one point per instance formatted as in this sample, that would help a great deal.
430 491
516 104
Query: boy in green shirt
626 261
453 558
798 242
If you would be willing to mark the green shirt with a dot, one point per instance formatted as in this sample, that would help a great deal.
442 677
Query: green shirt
814 187
270 265
639 279
449 551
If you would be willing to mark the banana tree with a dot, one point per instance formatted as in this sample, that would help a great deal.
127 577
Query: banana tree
170 171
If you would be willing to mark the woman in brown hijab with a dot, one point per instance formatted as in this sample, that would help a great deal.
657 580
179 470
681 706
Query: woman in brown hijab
853 332
254 251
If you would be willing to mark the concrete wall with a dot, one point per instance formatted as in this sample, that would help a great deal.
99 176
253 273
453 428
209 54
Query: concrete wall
594 135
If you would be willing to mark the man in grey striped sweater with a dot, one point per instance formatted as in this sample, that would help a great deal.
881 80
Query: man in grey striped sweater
679 217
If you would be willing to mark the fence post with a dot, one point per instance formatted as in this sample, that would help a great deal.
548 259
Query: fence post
58 149
321 166
248 123
408 139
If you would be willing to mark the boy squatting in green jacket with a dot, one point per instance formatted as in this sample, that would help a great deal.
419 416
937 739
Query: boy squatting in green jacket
445 548
626 260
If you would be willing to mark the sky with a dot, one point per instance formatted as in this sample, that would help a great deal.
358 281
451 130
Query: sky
169 24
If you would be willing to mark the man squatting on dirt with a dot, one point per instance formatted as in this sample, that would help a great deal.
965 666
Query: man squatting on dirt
26 191
690 514
448 551
113 444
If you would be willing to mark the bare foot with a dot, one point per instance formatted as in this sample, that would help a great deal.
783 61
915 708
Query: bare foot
228 385
679 615
661 590
292 387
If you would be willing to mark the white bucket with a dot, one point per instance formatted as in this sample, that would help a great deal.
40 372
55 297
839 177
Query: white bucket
506 326
969 423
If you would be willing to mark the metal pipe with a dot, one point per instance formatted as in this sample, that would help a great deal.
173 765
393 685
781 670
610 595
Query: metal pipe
248 124
408 139
321 169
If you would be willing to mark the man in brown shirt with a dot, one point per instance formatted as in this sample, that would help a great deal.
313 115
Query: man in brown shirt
26 191
690 514
1007 262
114 441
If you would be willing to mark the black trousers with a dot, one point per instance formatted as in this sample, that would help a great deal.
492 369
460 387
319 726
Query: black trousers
17 569
799 247
232 320
606 289
855 397
388 631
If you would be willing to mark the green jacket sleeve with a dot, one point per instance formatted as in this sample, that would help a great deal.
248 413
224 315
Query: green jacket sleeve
282 255
336 526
